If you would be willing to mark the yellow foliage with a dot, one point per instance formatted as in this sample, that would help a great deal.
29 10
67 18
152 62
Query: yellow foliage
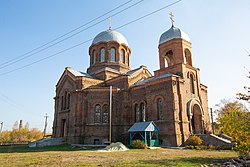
234 120
20 135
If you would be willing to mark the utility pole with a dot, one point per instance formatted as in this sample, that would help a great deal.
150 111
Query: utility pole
45 125
20 125
212 119
1 128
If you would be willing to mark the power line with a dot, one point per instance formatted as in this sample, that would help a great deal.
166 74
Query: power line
42 48
67 33
247 52
149 14
10 101
18 107
53 55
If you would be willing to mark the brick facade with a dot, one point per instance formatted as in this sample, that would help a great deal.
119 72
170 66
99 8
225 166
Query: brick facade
173 98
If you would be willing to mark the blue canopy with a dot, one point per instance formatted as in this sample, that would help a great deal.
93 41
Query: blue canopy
144 127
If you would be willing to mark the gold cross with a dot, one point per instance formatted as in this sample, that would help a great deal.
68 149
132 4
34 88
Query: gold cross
171 18
110 22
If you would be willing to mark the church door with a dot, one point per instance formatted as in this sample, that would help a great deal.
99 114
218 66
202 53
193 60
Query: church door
196 120
63 128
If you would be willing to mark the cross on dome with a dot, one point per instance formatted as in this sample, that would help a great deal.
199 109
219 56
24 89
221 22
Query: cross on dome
172 18
110 22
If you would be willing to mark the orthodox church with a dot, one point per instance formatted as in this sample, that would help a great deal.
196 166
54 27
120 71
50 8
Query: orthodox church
173 98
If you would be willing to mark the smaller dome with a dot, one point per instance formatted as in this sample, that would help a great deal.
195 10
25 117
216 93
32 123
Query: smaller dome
110 35
173 33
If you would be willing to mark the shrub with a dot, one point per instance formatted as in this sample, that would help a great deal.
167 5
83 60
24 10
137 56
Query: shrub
194 141
138 144
190 147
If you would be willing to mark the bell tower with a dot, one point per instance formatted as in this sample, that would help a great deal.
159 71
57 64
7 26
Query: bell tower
175 50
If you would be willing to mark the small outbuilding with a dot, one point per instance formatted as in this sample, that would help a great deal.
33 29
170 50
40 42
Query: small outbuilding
147 132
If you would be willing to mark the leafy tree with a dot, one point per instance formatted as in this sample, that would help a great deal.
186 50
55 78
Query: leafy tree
234 120
14 136
22 134
5 137
35 134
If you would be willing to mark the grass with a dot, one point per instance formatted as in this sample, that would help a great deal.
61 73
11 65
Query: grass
69 156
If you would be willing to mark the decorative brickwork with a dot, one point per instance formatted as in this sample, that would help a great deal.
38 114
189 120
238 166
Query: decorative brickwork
173 98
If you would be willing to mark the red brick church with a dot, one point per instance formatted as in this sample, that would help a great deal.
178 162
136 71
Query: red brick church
173 98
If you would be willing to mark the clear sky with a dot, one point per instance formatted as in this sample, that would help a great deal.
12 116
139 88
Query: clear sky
219 32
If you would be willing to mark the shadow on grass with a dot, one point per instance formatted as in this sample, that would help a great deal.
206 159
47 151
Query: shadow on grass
194 161
25 148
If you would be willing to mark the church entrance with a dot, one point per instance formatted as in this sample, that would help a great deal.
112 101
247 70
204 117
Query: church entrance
63 128
196 120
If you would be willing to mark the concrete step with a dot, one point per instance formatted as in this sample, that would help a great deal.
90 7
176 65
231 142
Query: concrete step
211 139
47 142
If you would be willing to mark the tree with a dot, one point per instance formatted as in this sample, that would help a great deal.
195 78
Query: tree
234 120
35 134
22 134
5 137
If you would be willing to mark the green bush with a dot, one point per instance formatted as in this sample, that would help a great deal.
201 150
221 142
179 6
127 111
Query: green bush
194 141
138 144
190 147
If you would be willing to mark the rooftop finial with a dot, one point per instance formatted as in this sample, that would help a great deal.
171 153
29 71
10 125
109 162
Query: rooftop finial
172 18
110 22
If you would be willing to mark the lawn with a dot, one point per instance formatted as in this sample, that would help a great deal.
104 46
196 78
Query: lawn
68 156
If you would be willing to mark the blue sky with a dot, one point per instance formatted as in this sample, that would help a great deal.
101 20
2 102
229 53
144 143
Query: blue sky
219 32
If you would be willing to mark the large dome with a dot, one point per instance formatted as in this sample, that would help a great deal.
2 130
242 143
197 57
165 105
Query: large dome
173 33
110 35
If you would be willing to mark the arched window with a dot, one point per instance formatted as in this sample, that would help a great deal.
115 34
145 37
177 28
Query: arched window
68 100
105 114
159 109
188 58
102 55
93 57
192 84
143 112
137 113
65 100
112 55
168 57
122 56
62 103
166 61
97 117
169 53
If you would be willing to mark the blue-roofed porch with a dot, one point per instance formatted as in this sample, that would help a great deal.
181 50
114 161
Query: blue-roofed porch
147 132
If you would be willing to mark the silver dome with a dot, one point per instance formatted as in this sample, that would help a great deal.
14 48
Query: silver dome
110 35
173 33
